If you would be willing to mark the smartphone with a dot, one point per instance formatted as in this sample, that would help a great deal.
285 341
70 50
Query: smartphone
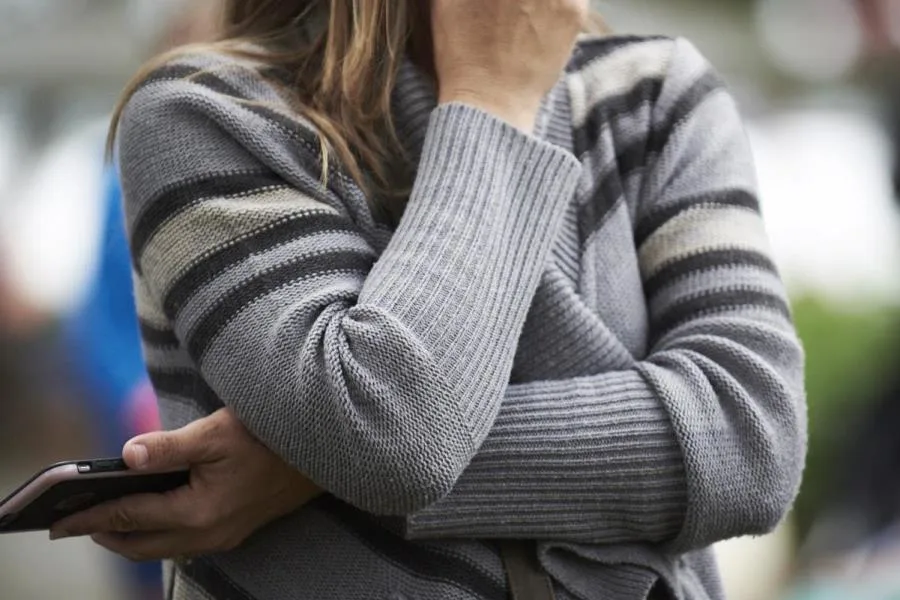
66 488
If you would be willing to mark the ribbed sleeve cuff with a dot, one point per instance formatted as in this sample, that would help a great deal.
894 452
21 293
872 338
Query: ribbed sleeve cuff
577 460
485 194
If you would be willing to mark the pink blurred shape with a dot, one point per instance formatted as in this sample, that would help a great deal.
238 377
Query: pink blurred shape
143 412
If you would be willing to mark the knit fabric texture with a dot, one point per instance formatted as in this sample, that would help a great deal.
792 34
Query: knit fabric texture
576 337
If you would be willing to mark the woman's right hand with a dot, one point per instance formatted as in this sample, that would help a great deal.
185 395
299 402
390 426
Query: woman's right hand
237 486
503 56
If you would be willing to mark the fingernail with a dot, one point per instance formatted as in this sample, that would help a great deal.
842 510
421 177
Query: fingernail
140 455
59 535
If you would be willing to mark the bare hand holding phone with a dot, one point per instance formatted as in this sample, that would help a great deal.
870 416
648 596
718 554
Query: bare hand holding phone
236 486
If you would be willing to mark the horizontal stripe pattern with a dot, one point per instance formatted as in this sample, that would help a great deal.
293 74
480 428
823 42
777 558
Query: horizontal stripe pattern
611 109
213 581
718 302
221 256
423 561
230 222
658 216
636 102
148 308
268 282
263 101
185 384
703 262
155 336
590 47
614 74
701 230
172 201
708 84
715 240
212 78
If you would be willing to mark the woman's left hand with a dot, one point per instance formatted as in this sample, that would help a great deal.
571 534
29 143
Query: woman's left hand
237 485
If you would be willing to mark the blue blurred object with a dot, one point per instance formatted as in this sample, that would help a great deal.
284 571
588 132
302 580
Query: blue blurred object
103 332
103 341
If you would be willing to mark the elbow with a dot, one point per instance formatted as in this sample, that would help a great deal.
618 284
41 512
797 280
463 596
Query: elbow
743 473
780 472
422 485
777 495
393 482
391 467
767 504
781 440
773 482
754 508
751 485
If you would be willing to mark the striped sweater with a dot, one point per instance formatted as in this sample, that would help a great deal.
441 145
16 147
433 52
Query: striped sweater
576 337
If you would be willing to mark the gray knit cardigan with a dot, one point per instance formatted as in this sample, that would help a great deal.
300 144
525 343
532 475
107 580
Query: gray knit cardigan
576 337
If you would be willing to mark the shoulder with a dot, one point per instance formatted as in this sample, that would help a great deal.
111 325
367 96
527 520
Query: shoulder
208 84
625 61
632 52
638 78
203 114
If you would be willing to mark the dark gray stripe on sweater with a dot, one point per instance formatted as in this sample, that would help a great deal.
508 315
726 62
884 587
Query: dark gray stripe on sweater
645 93
154 336
266 238
703 305
213 580
267 282
187 384
706 85
609 192
590 50
423 561
637 154
730 491
707 261
310 140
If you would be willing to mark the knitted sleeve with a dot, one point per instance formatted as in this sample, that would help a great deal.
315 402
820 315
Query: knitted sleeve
376 373
702 440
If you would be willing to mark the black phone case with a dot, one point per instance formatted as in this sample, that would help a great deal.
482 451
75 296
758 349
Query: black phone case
69 497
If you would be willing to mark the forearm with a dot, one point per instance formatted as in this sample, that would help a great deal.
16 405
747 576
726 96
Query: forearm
593 459
462 269
700 442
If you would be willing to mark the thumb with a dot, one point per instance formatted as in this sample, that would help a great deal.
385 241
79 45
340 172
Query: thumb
172 450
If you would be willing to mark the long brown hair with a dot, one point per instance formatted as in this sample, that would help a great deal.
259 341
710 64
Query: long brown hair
343 73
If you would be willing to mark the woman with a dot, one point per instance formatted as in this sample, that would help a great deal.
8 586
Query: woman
462 298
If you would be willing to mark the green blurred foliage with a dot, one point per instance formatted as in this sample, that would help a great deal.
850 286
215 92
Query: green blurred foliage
849 354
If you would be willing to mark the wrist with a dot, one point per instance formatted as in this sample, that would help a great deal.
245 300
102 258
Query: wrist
517 111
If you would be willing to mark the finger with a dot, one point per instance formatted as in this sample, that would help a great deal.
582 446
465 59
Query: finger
142 547
204 440
140 512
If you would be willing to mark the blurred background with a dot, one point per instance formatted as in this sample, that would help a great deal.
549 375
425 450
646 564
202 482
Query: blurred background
819 84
